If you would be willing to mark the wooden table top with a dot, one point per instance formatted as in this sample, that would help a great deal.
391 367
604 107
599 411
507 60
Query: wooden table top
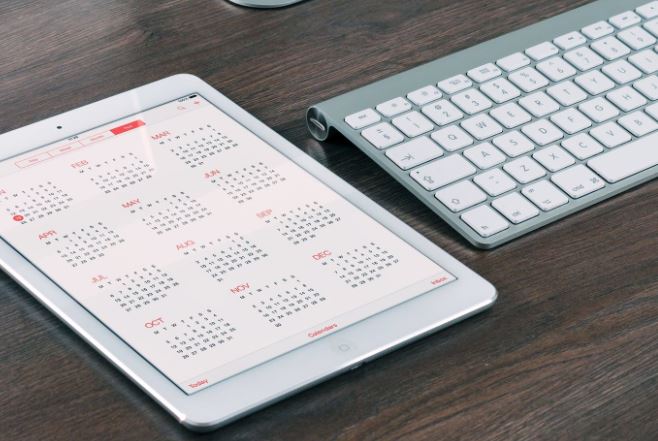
570 350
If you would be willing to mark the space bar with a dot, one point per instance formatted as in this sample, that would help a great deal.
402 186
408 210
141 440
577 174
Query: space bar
627 160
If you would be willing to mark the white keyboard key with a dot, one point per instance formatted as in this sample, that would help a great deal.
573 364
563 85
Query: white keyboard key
539 104
542 51
649 10
393 107
500 90
382 135
455 84
610 134
626 98
481 126
442 112
638 123
362 119
582 146
413 153
452 138
610 48
510 115
512 62
625 19
583 58
599 109
627 160
460 196
545 195
571 121
528 79
524 169
542 132
577 181
412 124
621 71
570 40
554 158
636 37
515 207
442 172
556 69
594 82
495 182
485 221
424 95
484 72
513 143
567 93
484 155
652 110
646 61
471 101
648 87
652 26
598 30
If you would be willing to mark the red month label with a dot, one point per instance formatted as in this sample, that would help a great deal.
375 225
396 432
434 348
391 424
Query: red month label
160 135
240 288
321 255
80 164
183 245
47 234
153 323
264 213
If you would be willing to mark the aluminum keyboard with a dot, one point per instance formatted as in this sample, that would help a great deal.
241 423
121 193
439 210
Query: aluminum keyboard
515 142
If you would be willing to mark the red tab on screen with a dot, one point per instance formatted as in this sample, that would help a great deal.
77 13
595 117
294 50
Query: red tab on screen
128 126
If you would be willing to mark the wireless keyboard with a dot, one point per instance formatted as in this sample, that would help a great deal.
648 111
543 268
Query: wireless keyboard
518 132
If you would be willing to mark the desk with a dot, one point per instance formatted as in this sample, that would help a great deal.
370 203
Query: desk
570 351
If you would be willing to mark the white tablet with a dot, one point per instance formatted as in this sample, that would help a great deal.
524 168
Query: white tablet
215 264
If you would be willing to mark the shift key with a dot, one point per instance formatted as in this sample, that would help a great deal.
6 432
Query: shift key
627 160
442 172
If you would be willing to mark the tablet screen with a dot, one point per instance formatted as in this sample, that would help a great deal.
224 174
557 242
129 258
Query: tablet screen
200 245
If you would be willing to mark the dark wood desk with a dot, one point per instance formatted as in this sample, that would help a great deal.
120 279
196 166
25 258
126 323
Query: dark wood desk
570 351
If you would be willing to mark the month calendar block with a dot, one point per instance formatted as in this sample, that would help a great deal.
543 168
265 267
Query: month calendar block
194 334
85 244
139 288
35 202
117 173
303 223
282 299
243 183
195 146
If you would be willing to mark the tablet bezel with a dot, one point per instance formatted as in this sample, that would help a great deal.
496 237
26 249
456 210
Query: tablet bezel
295 370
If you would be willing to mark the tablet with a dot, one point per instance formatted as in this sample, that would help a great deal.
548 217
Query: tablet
211 261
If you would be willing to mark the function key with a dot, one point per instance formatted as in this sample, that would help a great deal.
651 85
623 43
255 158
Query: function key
598 30
393 107
362 119
424 95
484 72
455 84
542 50
650 10
513 62
570 40
625 19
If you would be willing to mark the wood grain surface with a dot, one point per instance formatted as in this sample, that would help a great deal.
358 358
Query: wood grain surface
570 351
